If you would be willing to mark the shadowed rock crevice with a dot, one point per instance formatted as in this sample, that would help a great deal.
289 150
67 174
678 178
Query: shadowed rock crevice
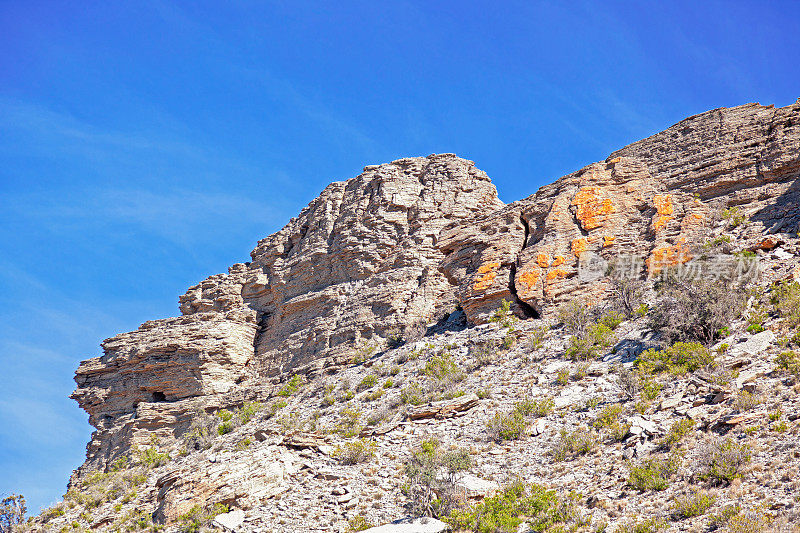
526 309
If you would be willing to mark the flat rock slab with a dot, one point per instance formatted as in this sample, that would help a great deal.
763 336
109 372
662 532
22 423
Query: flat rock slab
755 344
411 525
229 521
444 408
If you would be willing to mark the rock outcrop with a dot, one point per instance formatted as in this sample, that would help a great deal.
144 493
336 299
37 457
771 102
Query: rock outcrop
650 203
412 244
358 265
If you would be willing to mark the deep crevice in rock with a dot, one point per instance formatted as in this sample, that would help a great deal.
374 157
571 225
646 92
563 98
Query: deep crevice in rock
527 310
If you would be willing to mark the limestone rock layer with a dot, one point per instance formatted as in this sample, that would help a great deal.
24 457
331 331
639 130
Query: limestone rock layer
404 245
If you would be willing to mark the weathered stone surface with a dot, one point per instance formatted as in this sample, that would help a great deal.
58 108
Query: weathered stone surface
359 263
146 379
394 251
653 201
229 521
415 525
444 408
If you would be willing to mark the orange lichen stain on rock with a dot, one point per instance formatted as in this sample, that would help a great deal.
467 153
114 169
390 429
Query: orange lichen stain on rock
608 240
558 261
579 246
530 278
543 260
486 274
767 244
663 203
591 207
661 221
615 160
557 273
488 267
665 209
667 256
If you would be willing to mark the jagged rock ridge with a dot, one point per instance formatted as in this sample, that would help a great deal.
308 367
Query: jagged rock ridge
400 247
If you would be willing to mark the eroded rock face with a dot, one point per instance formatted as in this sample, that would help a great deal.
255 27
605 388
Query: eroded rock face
648 206
359 263
146 379
400 246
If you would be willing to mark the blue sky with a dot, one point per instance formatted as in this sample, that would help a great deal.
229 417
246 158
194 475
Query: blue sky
146 145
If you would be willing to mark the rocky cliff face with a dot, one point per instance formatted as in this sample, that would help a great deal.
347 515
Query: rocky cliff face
418 242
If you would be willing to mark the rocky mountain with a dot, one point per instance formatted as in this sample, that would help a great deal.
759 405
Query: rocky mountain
409 304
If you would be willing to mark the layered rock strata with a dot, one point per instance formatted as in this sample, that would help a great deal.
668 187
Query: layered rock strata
389 253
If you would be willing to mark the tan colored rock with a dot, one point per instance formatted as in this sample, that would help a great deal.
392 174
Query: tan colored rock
398 247
359 263
647 207
444 408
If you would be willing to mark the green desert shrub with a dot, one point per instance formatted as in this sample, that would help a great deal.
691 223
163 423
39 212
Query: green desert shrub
734 216
151 457
595 340
292 386
745 401
612 319
442 367
503 315
412 394
518 503
198 518
652 474
678 359
650 525
608 416
368 382
786 300
693 505
507 426
677 432
349 423
789 361
358 523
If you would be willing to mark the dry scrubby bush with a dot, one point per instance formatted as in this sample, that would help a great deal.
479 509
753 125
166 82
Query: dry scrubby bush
722 460
431 474
626 295
690 309
541 509
693 505
12 512
357 451
197 518
654 473
580 441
